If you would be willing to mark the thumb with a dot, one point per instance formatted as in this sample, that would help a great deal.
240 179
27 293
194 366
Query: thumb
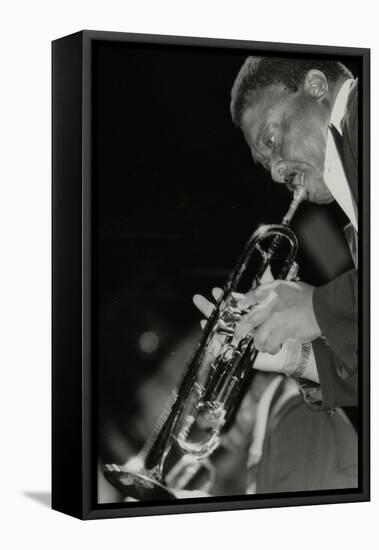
203 305
267 276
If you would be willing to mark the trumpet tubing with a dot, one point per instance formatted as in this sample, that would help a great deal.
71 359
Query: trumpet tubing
217 376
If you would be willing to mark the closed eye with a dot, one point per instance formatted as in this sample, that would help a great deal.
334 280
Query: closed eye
258 158
269 140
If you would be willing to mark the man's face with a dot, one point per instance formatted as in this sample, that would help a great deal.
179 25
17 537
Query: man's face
286 132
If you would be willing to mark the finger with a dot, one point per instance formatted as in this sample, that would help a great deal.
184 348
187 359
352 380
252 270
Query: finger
253 319
273 346
256 296
242 330
261 336
258 314
238 296
217 293
250 299
266 339
203 305
267 276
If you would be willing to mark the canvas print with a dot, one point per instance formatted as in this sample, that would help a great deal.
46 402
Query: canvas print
225 272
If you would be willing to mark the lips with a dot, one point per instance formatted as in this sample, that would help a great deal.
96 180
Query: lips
293 169
294 180
293 174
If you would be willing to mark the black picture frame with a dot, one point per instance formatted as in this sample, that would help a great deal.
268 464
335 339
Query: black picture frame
73 399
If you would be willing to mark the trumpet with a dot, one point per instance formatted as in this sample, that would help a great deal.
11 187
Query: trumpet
216 378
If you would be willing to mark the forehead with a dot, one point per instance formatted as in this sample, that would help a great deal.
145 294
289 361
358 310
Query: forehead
263 103
268 105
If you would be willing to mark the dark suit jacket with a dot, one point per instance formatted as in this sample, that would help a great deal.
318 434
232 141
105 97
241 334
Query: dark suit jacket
303 451
336 304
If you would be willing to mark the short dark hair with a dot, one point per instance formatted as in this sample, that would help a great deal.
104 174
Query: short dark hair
259 72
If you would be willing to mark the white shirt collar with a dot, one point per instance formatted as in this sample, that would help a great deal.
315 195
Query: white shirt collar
340 104
334 174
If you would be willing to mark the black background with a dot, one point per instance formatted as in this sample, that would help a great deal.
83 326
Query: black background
176 197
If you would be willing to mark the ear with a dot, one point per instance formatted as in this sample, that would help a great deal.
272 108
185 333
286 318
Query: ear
316 84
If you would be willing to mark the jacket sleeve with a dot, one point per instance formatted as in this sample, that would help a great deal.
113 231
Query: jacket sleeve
332 390
336 308
336 351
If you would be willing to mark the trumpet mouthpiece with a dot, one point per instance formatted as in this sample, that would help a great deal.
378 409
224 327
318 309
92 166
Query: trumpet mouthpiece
299 195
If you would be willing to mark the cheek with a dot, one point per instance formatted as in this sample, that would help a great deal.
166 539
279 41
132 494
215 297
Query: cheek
304 142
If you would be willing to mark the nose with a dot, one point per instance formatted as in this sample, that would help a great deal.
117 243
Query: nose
278 171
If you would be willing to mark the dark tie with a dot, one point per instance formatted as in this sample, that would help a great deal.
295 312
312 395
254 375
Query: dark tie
337 139
338 142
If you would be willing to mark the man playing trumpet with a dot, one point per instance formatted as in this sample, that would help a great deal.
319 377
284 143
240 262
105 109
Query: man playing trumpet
299 119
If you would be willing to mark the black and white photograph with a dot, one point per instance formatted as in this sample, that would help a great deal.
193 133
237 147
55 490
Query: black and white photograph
226 273
188 277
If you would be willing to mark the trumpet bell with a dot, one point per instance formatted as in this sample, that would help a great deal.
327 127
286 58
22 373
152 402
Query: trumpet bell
138 485
217 376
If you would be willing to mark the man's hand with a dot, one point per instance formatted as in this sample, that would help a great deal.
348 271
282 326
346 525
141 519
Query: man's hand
282 312
205 306
280 362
